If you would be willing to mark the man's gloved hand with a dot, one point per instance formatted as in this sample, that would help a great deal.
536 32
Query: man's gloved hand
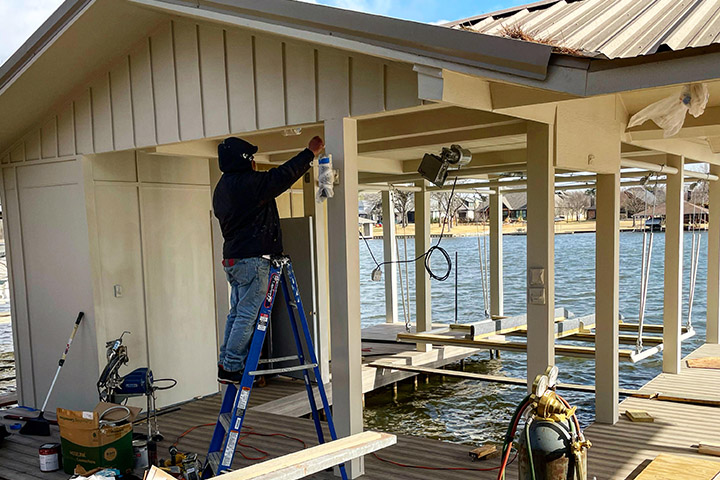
316 145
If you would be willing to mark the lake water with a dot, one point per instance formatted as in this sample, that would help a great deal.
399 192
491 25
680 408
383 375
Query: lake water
477 412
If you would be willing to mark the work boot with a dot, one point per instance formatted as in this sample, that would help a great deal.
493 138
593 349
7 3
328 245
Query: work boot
228 377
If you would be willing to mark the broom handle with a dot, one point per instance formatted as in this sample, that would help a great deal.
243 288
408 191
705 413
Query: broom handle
62 359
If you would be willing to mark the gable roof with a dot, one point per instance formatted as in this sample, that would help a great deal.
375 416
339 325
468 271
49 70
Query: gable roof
611 28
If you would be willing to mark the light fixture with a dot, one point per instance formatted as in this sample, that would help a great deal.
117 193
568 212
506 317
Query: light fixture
434 168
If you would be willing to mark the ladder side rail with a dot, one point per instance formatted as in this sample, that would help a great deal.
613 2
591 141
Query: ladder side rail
313 359
251 364
301 357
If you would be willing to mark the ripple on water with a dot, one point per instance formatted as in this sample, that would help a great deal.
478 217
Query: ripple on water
476 412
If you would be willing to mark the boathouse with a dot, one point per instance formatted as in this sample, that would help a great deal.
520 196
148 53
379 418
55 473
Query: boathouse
111 113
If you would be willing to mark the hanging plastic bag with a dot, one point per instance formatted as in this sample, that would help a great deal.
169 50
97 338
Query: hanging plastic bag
669 113
326 179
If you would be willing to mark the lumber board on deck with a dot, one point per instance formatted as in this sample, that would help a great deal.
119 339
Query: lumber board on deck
316 459
674 467
492 378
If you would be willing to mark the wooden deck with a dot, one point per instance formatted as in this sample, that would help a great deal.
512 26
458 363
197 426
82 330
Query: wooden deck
19 454
619 451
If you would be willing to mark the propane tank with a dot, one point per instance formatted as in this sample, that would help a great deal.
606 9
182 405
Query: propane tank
551 445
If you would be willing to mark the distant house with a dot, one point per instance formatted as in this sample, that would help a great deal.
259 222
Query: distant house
693 214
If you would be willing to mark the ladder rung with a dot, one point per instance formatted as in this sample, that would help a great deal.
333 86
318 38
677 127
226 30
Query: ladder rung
273 371
225 420
279 359
214 461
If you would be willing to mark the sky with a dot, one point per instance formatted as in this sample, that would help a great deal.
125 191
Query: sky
20 18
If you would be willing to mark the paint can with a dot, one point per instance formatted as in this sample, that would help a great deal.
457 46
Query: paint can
49 454
140 450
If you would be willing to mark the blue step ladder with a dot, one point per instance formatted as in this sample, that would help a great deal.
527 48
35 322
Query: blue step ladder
235 401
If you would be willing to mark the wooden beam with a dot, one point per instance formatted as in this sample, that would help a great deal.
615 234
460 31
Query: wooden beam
465 172
425 122
672 307
706 125
574 387
516 156
513 130
344 256
540 249
314 459
607 294
682 147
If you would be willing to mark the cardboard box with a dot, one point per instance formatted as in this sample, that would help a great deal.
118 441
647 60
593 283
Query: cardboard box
87 443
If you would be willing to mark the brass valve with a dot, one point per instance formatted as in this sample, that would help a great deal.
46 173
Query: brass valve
550 407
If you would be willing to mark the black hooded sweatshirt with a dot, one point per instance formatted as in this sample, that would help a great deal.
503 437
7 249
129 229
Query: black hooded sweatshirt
244 203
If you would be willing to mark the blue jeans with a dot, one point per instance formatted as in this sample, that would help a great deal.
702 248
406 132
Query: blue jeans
249 281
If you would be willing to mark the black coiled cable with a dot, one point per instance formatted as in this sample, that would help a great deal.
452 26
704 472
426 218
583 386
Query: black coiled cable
428 254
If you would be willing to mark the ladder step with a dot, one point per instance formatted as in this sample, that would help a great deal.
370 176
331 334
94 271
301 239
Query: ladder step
214 460
225 420
273 371
279 359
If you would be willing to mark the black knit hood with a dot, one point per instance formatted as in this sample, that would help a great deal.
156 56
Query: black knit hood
234 155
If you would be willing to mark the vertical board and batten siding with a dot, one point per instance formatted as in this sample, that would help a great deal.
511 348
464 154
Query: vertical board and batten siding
150 211
187 81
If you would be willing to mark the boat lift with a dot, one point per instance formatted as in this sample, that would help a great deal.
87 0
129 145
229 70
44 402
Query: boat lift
497 333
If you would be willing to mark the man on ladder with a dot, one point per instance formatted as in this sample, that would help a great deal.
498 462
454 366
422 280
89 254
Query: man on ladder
244 203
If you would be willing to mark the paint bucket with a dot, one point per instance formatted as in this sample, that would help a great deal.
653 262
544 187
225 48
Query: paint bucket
49 457
140 450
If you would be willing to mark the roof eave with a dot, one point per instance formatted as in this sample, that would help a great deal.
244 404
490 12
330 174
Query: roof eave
61 17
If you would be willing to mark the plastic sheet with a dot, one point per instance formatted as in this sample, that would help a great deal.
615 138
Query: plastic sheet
669 113
326 179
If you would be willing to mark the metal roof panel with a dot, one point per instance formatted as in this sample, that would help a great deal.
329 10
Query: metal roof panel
613 28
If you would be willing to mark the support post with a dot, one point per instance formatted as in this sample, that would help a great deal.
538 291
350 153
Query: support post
713 268
496 254
318 211
344 256
423 303
390 256
607 278
540 249
672 309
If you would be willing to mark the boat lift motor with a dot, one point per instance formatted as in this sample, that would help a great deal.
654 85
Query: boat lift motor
551 445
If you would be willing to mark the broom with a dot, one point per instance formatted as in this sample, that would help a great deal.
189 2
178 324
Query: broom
39 425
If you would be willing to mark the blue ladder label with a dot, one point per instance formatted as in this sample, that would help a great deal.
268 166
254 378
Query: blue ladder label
244 397
262 325
230 450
